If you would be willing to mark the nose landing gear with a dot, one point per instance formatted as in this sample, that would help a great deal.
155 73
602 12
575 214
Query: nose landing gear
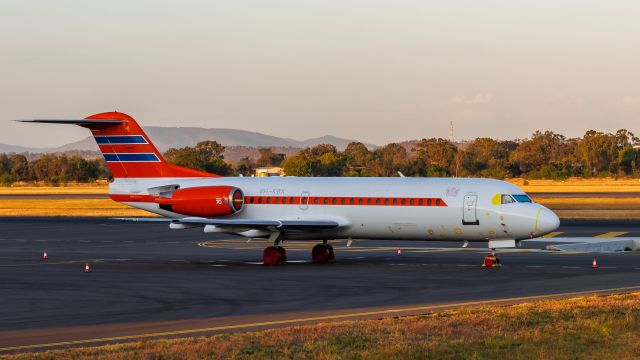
491 260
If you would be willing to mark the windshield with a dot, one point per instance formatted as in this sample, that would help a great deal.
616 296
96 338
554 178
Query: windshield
522 198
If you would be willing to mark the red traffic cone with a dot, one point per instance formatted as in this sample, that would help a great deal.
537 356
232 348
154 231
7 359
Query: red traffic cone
45 256
595 263
86 267
399 252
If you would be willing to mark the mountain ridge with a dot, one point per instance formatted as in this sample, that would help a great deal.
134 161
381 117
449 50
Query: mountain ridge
168 137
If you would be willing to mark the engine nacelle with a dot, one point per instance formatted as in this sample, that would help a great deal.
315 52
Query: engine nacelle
204 201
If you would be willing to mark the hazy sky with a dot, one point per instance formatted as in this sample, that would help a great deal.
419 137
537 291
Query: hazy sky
376 71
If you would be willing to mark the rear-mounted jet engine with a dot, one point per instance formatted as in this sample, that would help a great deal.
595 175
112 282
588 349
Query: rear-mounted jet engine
207 201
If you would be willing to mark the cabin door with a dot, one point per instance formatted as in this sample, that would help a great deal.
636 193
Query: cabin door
469 215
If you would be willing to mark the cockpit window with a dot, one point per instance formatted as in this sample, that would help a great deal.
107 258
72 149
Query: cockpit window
522 198
506 199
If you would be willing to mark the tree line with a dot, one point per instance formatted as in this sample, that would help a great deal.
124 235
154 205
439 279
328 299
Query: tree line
545 155
51 168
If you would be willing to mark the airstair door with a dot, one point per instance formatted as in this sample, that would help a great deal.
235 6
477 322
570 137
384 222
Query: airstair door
469 216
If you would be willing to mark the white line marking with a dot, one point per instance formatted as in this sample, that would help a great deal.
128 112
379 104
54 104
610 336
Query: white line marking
298 261
218 265
608 267
467 265
128 241
571 267
173 242
535 266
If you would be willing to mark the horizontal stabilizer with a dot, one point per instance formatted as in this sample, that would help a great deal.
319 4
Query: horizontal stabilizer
74 121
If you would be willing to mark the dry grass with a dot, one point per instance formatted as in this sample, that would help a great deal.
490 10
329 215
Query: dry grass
593 327
579 185
66 207
590 203
29 189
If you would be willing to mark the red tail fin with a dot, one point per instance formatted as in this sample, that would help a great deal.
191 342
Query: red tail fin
127 149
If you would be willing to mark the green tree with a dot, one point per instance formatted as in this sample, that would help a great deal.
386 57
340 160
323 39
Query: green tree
19 167
246 166
435 157
598 152
269 158
356 159
206 156
297 165
390 159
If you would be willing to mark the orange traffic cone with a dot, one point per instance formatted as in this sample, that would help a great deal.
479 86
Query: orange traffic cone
595 263
86 267
399 252
45 256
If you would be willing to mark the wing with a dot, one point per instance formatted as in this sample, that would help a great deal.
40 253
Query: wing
281 225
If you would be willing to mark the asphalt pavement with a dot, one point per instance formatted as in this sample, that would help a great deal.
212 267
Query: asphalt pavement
148 281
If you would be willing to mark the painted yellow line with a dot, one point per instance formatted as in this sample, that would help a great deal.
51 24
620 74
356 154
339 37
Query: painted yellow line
388 312
610 234
552 234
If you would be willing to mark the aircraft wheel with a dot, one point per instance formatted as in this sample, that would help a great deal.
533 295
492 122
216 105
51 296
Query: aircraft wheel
320 254
271 256
331 254
282 255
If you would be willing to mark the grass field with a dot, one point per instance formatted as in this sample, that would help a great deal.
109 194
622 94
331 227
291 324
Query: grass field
595 327
67 207
30 189
579 185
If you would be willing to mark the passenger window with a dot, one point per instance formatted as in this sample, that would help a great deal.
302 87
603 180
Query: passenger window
506 199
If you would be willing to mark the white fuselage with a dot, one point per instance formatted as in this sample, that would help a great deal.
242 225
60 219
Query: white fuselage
471 212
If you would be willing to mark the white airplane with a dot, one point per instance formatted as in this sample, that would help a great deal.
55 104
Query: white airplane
284 208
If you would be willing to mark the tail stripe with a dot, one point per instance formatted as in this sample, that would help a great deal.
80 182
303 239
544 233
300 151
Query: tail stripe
121 139
131 157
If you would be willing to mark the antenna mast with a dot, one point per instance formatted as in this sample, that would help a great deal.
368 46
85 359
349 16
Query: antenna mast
451 131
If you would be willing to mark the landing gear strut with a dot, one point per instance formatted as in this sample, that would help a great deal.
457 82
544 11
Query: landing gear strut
491 260
322 253
276 254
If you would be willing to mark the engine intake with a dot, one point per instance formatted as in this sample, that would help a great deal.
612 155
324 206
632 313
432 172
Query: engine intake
204 201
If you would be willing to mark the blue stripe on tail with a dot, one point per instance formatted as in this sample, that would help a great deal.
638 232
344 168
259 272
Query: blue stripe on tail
113 157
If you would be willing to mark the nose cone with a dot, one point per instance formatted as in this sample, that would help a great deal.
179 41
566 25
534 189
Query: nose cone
548 221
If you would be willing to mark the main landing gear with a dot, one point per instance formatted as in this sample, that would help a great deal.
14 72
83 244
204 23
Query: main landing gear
322 253
276 254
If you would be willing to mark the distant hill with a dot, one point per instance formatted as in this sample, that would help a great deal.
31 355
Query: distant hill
4 148
168 137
